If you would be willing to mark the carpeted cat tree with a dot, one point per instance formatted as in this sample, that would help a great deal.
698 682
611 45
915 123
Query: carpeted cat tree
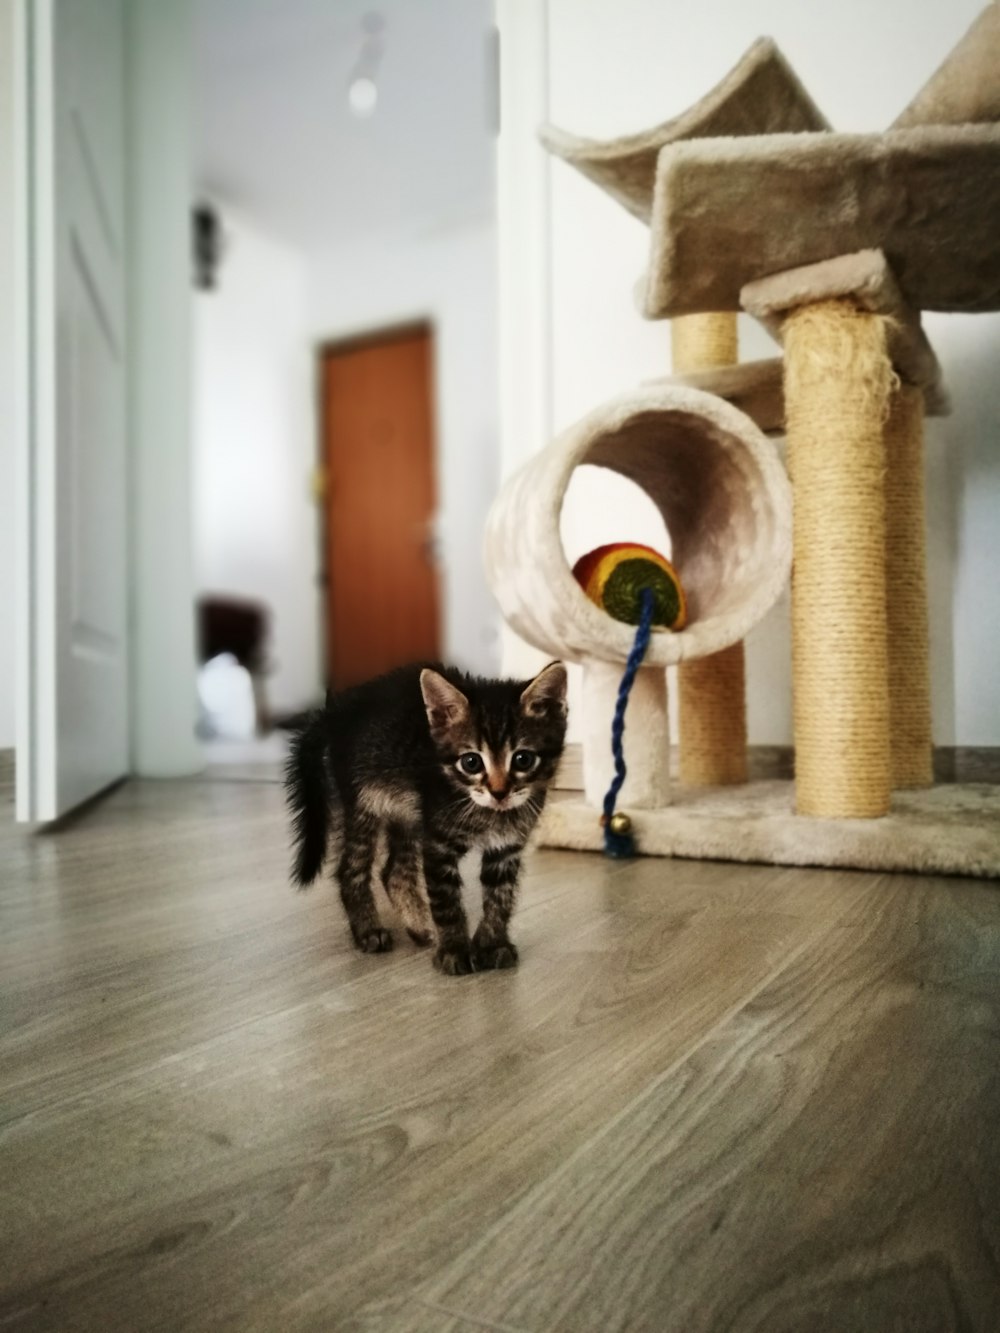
835 242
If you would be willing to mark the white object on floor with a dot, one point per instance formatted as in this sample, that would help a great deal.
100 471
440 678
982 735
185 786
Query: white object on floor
225 691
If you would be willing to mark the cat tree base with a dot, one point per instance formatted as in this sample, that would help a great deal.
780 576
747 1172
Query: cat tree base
951 829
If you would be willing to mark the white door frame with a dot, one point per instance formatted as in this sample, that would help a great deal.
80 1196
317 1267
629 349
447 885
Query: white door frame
15 190
34 406
159 192
524 227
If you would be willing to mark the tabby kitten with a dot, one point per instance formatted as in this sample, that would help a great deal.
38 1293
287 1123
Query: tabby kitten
433 764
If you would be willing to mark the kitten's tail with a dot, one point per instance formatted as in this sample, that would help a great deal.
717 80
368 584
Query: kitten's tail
308 796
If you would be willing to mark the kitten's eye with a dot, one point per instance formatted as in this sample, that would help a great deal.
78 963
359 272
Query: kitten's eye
471 763
523 761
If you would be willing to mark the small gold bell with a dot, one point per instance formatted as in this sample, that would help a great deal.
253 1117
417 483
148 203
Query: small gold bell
620 823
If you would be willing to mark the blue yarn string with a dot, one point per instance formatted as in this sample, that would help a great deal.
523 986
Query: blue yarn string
623 844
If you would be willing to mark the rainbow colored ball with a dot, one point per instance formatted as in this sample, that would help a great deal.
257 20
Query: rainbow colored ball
615 576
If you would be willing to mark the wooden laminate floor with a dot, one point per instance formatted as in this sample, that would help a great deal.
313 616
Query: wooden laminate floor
712 1097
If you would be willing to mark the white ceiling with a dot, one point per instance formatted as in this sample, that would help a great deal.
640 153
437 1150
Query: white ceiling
275 137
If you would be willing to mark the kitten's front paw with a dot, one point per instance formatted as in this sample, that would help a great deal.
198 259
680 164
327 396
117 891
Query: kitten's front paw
454 962
491 957
374 941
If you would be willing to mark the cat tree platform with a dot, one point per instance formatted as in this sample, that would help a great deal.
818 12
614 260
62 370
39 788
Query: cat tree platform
754 387
750 181
757 387
729 211
868 282
951 829
762 94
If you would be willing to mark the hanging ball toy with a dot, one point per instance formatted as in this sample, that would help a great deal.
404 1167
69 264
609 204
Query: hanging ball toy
616 576
638 586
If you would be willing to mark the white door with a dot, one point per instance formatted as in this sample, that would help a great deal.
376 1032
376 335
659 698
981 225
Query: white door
74 710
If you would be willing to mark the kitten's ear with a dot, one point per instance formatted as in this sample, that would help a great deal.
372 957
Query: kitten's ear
445 704
546 695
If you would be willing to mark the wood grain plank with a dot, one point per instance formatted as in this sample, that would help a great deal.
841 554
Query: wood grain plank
278 1122
318 1152
825 1160
215 1114
128 947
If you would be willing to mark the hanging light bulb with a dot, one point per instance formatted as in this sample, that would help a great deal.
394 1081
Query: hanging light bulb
362 95
362 90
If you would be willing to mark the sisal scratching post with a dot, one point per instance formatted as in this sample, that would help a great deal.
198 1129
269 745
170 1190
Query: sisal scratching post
711 698
711 691
906 590
838 379
704 342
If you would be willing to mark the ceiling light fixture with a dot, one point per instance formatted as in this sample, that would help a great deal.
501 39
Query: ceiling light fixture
362 88
362 95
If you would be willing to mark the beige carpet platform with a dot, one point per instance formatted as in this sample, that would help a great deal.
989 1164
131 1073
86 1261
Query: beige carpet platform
868 281
755 387
729 211
952 829
761 95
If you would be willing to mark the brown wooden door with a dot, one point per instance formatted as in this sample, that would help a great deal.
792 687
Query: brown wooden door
382 586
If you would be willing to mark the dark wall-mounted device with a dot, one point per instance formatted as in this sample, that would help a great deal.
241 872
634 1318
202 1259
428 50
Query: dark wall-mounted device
206 245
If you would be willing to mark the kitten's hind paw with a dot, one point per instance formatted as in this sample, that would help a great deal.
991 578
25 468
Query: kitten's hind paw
374 941
423 938
492 957
454 962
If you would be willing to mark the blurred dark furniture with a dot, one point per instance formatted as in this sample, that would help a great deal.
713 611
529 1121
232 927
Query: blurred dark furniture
241 627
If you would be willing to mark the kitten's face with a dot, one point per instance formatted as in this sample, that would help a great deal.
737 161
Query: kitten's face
500 745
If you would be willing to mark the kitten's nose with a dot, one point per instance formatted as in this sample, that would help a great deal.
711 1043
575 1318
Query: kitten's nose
500 793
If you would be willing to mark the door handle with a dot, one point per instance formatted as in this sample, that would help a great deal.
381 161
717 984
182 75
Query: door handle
430 542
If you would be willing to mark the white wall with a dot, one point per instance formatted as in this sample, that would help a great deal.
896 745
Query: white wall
255 522
6 379
448 278
621 67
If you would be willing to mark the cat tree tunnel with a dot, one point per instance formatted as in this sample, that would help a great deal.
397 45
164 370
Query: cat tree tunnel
835 243
726 505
